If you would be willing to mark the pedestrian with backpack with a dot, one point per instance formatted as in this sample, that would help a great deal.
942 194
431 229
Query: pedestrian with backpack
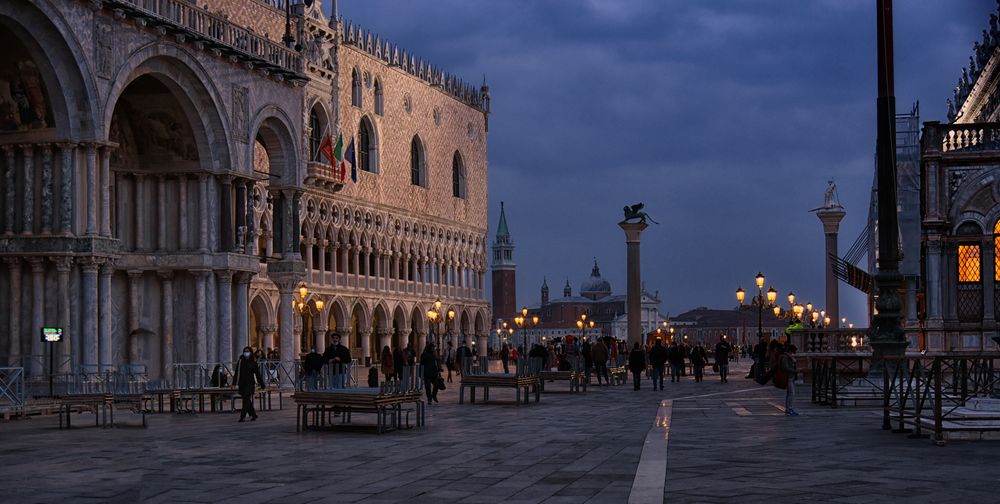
785 374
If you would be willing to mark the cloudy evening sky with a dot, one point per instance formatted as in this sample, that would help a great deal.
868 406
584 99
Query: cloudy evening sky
725 117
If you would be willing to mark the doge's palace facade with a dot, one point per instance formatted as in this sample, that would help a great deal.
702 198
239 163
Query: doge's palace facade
163 198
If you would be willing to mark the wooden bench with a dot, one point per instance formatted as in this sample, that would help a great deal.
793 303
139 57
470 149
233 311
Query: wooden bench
528 383
618 375
103 406
576 379
387 407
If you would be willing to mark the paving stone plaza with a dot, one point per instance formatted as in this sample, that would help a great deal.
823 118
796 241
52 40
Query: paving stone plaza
726 443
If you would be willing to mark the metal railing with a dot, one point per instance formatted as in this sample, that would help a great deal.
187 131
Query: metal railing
935 391
11 389
214 28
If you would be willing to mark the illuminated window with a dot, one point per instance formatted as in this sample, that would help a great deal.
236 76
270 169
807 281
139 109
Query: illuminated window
968 263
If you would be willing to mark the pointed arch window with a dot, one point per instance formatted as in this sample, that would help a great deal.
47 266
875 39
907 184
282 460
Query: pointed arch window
355 88
457 176
418 164
316 126
367 146
379 98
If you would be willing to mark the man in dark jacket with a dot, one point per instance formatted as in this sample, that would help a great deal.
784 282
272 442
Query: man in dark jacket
245 375
505 357
312 366
722 351
699 357
463 358
658 360
675 356
636 364
432 372
339 359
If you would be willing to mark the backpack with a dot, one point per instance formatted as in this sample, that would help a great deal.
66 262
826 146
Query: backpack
780 376
372 377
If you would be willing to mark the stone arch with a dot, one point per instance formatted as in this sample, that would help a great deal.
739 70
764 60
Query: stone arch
67 82
190 85
319 125
263 319
418 162
273 129
338 317
380 315
458 176
465 324
418 320
400 326
361 320
481 326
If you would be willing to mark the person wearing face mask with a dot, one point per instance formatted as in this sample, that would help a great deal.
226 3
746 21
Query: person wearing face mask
245 375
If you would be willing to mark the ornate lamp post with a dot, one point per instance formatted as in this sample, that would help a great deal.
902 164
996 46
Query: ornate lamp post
305 309
761 302
583 325
435 316
524 322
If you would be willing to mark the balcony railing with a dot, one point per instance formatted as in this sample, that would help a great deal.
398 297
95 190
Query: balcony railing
966 137
204 26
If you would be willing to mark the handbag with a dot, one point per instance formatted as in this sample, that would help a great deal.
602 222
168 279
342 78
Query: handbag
715 368
440 384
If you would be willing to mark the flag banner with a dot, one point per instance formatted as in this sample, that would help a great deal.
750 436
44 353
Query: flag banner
338 155
326 148
349 158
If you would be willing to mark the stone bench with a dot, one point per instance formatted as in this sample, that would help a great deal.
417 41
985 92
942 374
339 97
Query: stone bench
102 405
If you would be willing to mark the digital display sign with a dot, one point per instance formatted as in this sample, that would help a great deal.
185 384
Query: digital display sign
52 334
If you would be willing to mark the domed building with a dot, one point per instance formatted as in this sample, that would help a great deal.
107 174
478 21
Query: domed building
558 317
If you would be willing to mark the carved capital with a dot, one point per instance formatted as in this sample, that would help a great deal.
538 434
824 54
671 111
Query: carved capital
90 264
107 268
166 275
134 275
64 264
224 276
37 264
13 263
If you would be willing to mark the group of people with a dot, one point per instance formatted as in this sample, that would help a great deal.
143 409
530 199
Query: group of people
774 361
654 359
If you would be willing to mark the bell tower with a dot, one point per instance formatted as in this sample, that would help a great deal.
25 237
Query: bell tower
503 268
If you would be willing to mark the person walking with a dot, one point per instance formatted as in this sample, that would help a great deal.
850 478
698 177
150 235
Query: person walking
588 360
599 352
786 364
449 360
676 359
463 359
722 351
699 357
246 376
505 357
339 358
388 366
658 361
636 364
432 373
313 366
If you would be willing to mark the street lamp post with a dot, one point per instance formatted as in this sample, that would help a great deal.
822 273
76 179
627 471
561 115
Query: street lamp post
435 316
305 309
761 301
523 322
583 324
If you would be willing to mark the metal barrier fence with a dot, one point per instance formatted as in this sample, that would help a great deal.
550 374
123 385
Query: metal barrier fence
936 391
11 389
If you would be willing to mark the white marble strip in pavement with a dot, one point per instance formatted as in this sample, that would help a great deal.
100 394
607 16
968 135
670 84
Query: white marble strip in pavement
651 475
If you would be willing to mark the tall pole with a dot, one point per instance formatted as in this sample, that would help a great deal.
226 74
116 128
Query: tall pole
889 338
760 313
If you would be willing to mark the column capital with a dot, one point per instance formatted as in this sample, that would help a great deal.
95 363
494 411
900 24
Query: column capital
165 275
107 268
201 273
37 264
8 148
342 330
12 262
244 277
64 264
225 276
90 264
135 275
67 145
225 179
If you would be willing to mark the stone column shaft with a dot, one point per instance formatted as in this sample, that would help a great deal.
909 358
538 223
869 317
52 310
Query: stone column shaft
134 292
139 209
91 189
28 196
89 320
67 153
183 213
366 346
225 315
10 177
104 314
934 298
241 213
47 200
105 189
14 324
226 201
64 266
161 214
322 261
633 232
285 325
201 317
241 323
167 325
203 213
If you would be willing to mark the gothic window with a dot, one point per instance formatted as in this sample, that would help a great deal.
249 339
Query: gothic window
969 274
367 146
418 165
379 98
457 176
315 133
355 88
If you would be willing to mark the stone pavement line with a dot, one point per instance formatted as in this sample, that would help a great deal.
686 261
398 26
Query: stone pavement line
650 477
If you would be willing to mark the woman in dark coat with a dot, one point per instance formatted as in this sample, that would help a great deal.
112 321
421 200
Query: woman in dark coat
244 376
636 364
432 373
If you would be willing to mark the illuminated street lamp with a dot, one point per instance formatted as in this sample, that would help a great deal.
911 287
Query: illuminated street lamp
583 324
435 316
761 301
524 322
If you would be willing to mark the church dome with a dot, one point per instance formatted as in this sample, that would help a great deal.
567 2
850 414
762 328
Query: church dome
596 286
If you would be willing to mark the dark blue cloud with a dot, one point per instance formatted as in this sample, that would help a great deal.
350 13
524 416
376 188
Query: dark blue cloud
725 117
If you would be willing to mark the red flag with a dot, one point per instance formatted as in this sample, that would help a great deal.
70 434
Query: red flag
326 147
